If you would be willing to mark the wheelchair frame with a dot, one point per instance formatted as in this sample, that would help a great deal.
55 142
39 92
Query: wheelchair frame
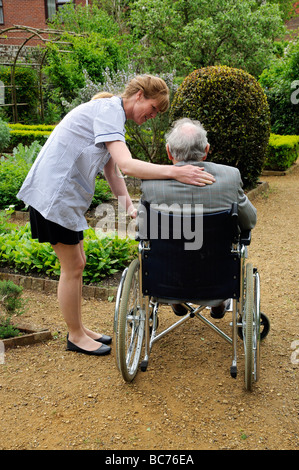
136 319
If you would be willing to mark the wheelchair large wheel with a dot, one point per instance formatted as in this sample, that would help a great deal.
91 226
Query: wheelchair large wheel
248 326
129 324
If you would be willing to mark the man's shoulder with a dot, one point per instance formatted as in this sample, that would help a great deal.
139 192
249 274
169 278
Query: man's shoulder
215 168
219 167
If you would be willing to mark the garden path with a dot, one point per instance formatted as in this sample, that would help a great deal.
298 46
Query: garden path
53 399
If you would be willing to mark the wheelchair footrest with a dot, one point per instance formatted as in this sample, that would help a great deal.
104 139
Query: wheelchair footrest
143 365
233 371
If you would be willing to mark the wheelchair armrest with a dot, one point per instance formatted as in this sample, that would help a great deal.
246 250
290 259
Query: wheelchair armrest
245 237
234 219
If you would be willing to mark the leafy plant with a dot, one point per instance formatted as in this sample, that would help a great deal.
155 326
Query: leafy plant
96 45
25 153
5 225
280 81
4 135
105 256
12 175
102 192
11 304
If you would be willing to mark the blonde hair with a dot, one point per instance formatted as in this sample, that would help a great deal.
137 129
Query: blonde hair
151 86
102 94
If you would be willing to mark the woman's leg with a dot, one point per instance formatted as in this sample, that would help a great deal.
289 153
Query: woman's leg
89 333
72 261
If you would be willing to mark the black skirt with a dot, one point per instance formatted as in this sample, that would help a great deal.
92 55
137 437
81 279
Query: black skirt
46 231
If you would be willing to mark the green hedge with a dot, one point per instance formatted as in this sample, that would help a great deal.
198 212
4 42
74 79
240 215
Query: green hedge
32 127
26 134
282 152
27 137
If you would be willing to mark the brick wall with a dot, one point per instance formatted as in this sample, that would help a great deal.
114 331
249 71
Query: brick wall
26 13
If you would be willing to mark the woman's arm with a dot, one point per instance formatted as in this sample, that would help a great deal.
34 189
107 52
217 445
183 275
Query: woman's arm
185 174
118 186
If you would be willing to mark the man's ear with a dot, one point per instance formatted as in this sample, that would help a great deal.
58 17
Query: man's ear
206 151
168 152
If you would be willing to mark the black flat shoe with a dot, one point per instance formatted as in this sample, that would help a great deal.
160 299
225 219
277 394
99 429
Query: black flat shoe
104 339
101 351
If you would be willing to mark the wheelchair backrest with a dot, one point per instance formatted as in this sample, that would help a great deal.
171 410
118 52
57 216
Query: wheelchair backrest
189 256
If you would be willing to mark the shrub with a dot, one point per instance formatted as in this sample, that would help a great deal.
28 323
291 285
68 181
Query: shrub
233 108
282 152
12 175
281 84
13 171
4 135
5 225
102 192
10 304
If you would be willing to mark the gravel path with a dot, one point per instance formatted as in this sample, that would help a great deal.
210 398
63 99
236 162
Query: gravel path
53 399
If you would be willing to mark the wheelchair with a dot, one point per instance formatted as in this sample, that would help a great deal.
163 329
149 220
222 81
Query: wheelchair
171 269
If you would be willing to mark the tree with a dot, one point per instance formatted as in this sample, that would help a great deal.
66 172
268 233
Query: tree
188 34
97 45
281 83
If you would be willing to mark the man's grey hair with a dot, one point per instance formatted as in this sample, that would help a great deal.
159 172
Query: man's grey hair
187 140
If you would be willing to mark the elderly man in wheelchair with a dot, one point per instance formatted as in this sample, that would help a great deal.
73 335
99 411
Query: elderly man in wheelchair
192 255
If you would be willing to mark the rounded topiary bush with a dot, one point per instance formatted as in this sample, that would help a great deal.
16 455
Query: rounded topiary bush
233 108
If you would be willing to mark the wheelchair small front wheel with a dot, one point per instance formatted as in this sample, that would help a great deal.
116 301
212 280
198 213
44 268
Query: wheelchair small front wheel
264 325
129 326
